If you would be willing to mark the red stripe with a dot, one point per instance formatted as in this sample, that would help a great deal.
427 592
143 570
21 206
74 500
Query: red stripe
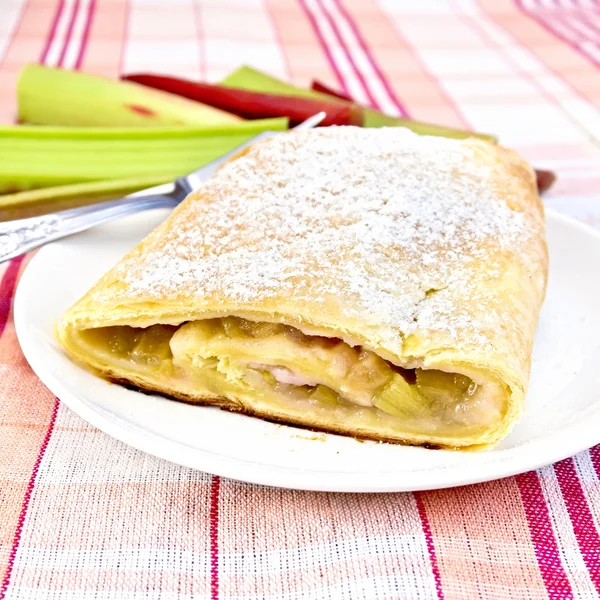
430 545
26 500
69 33
52 34
86 34
401 109
324 46
581 518
214 537
343 46
543 538
7 290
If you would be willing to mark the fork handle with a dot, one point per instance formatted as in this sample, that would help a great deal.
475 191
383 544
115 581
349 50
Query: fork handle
22 235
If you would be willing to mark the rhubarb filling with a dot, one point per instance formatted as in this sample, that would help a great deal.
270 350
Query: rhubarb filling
281 367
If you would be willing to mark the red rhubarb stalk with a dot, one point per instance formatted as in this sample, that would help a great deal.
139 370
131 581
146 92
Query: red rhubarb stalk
544 179
255 105
317 86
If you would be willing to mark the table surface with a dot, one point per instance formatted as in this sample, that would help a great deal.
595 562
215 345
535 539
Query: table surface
83 516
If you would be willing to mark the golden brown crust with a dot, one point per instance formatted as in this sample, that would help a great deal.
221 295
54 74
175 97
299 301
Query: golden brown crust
429 252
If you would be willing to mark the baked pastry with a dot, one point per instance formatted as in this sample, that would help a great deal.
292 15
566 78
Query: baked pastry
368 282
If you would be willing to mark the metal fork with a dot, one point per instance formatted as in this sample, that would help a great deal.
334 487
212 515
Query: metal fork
22 235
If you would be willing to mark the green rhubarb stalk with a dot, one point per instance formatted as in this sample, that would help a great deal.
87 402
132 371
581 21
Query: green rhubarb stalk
36 202
49 96
38 157
250 79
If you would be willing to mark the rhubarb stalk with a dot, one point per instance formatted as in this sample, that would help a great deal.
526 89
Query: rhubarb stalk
250 79
49 96
51 199
255 105
36 157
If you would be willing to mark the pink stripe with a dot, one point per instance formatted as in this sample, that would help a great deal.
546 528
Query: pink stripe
372 60
543 538
343 46
7 290
214 537
65 47
581 518
86 34
324 45
430 545
52 34
542 22
26 500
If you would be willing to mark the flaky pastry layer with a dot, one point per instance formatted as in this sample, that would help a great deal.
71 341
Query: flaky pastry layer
427 253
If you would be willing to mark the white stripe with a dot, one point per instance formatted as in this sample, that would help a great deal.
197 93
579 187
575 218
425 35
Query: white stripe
528 4
578 25
122 559
252 561
547 4
390 586
76 40
60 34
23 593
568 548
589 482
585 469
557 24
361 60
353 84
580 174
590 162
11 15
592 49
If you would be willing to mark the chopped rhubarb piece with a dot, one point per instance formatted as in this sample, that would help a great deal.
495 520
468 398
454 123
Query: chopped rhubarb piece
544 179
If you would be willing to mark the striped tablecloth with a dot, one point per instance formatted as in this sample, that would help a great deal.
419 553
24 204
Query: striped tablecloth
83 516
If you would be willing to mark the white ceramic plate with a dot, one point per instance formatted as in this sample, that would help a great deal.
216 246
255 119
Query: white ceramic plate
563 403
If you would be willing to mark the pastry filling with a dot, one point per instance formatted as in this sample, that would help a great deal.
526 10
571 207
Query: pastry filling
280 366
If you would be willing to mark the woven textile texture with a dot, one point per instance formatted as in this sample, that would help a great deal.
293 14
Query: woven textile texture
83 516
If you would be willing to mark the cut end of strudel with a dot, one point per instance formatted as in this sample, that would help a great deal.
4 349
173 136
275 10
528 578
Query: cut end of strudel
367 282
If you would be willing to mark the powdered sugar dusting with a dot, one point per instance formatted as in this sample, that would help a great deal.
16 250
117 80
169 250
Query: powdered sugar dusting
372 222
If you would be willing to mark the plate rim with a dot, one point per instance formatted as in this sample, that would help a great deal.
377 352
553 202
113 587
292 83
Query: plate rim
281 476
